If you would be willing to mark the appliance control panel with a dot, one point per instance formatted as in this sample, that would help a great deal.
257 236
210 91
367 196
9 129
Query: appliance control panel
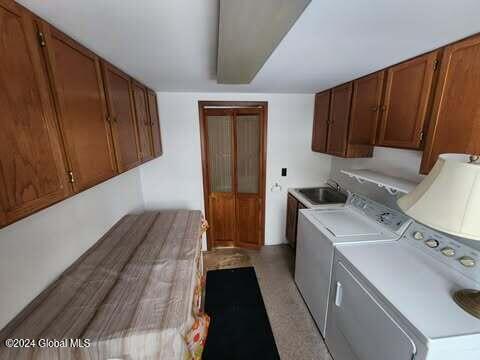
394 220
446 249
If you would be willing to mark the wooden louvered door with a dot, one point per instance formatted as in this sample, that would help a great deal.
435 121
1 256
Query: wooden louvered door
233 141
248 141
220 164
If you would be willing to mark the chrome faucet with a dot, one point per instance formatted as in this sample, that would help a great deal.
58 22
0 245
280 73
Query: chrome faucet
335 186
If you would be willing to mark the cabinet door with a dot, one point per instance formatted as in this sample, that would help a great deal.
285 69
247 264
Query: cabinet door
455 126
77 81
32 170
339 118
407 95
155 123
291 229
367 95
143 121
122 118
320 122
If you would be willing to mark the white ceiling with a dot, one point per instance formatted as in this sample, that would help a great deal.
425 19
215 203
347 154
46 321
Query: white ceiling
171 45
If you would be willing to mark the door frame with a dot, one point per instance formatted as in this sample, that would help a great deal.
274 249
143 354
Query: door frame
263 105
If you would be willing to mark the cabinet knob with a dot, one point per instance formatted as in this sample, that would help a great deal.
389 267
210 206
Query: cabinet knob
374 108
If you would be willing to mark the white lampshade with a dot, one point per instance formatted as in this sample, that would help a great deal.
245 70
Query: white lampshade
448 199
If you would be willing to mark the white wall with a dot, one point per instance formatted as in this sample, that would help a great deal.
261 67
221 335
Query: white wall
35 250
175 180
395 162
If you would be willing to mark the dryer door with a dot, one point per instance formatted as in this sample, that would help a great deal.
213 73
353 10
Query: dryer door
358 327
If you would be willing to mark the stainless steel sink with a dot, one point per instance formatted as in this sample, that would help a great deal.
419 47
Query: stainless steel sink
323 195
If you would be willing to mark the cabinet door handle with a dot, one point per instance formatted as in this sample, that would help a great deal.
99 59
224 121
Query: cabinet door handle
339 294
374 108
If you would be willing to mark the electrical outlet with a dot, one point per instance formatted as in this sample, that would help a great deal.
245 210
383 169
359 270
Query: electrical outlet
284 171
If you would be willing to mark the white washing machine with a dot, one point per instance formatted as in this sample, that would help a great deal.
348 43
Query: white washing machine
360 221
393 301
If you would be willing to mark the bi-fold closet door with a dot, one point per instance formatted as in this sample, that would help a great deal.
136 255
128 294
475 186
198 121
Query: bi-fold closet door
234 142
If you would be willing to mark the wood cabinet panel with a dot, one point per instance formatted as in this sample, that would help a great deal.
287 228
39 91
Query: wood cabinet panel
76 77
405 108
366 98
339 119
291 228
222 213
143 121
455 124
118 90
32 169
155 123
320 121
249 220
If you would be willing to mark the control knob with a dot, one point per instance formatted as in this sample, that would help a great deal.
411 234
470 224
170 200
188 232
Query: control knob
432 243
448 251
467 261
417 235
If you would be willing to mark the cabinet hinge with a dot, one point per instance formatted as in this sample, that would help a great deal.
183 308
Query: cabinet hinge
41 39
71 178
435 64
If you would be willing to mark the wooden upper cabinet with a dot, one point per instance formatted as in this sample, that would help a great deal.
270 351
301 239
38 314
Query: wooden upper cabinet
455 123
367 95
339 119
405 108
78 87
155 123
121 111
32 170
320 121
143 120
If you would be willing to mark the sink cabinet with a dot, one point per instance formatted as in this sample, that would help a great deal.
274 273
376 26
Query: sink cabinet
293 206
